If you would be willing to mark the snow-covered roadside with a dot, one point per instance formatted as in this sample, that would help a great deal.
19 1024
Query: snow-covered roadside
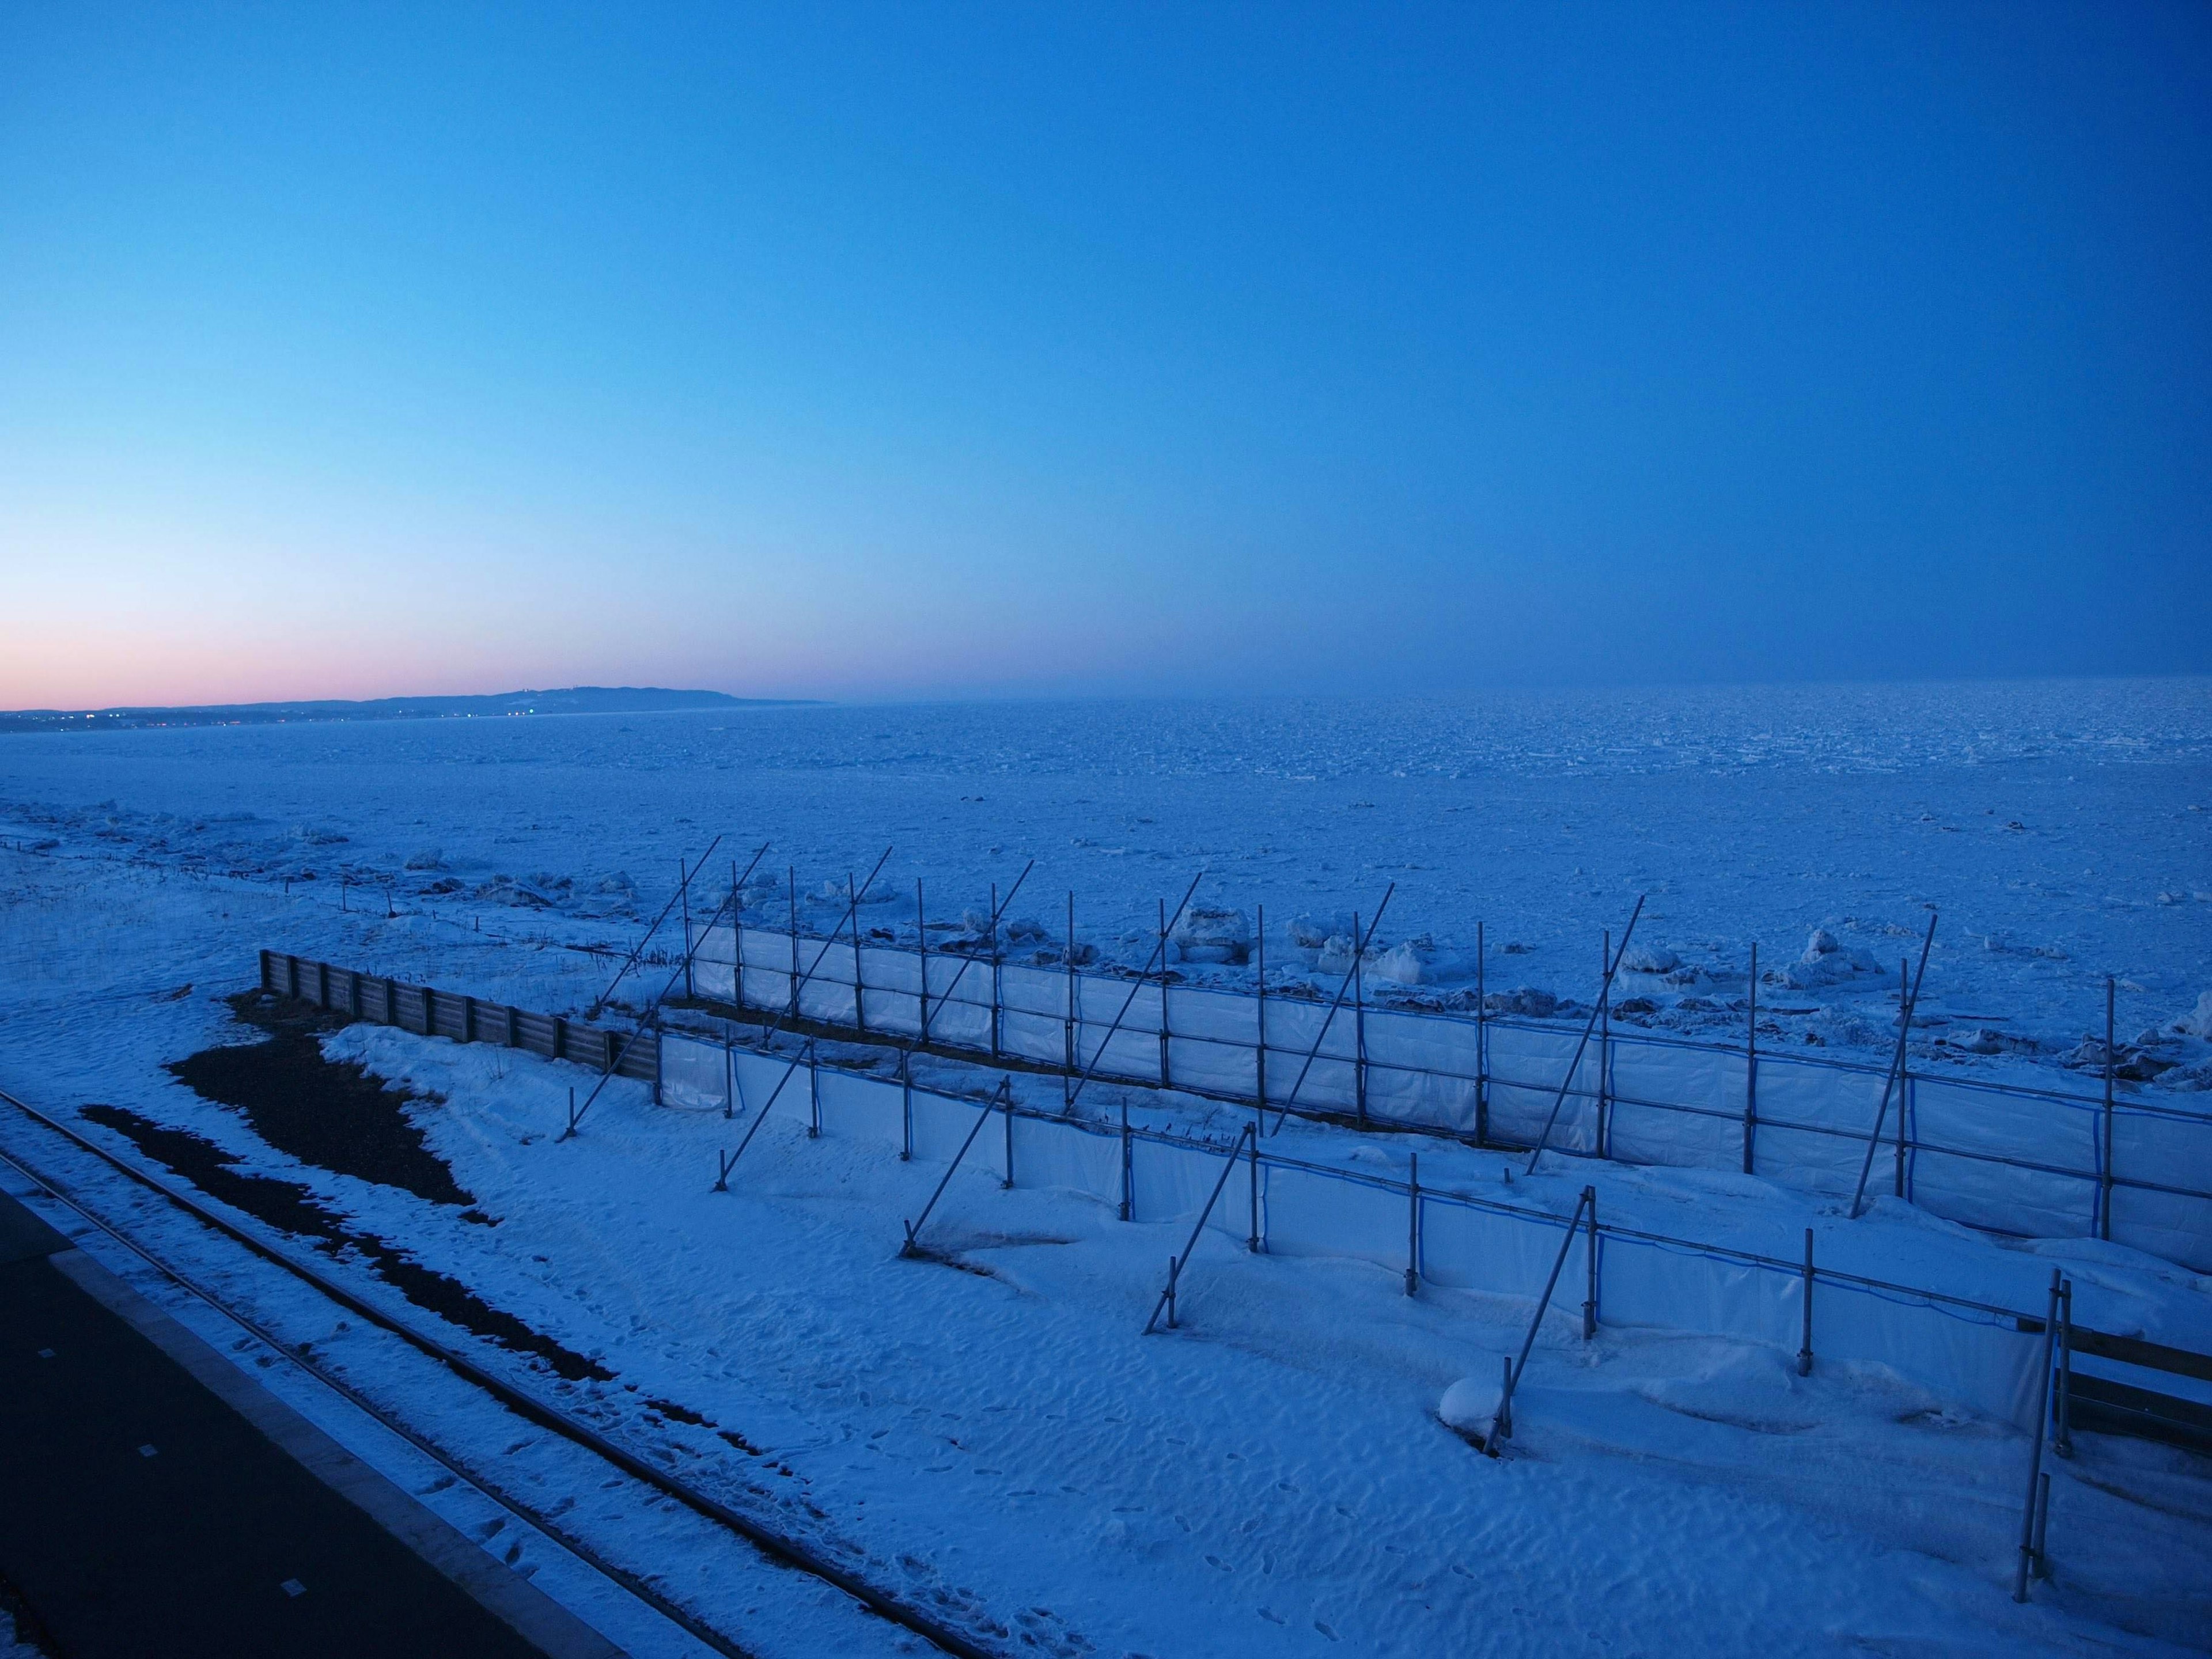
1278 1459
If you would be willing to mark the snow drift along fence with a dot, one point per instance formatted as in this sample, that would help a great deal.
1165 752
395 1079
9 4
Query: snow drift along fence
2032 1163
1978 1354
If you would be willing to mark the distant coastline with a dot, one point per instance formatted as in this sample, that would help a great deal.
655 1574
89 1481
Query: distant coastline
572 700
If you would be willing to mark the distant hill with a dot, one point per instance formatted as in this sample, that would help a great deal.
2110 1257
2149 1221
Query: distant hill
576 699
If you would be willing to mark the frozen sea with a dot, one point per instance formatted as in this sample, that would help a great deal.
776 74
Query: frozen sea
2060 829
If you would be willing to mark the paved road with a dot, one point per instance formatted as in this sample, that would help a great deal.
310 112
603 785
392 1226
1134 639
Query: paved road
141 1512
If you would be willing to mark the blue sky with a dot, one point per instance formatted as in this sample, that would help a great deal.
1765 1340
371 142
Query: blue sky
954 350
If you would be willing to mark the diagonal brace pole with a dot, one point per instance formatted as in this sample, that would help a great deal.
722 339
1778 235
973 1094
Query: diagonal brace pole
1589 1026
638 950
1504 1417
1176 1264
1358 953
653 1008
1908 998
1159 954
1003 1101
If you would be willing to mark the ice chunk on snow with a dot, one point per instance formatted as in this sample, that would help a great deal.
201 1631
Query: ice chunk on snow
1335 955
1651 959
2198 1023
1522 1000
426 857
1310 934
1210 933
1400 965
1825 961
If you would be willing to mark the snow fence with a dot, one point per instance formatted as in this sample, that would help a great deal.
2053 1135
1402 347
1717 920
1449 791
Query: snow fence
2032 1163
1983 1356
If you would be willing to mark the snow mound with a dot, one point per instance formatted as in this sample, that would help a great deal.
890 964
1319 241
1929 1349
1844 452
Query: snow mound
1651 959
1470 1405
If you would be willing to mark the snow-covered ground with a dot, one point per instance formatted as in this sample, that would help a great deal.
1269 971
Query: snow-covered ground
2062 830
1275 1477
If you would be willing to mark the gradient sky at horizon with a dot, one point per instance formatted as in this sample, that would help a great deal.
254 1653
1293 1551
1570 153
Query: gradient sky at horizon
887 351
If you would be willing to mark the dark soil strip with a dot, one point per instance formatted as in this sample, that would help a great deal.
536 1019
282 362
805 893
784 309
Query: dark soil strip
329 1113
290 1206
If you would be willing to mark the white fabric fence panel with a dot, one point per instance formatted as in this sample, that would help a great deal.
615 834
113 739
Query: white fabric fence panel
2176 1225
1814 1123
693 1074
1065 1157
863 1108
1982 1192
1133 1048
1653 1284
1312 1213
1471 1248
1170 1182
1526 1066
1645 1133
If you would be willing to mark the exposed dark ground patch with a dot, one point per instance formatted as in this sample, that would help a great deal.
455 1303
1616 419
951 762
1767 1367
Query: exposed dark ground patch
332 1114
292 1207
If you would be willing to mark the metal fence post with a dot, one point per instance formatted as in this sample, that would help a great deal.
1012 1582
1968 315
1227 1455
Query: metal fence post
994 968
2105 1206
2063 1424
1007 1110
1413 1224
1128 1185
813 1095
683 889
1164 993
860 998
737 942
1903 1093
1252 1228
791 879
1260 1013
1604 1037
922 939
1805 1343
1358 1023
906 1105
1482 1043
1067 1033
1751 1063
1590 1249
2029 1508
